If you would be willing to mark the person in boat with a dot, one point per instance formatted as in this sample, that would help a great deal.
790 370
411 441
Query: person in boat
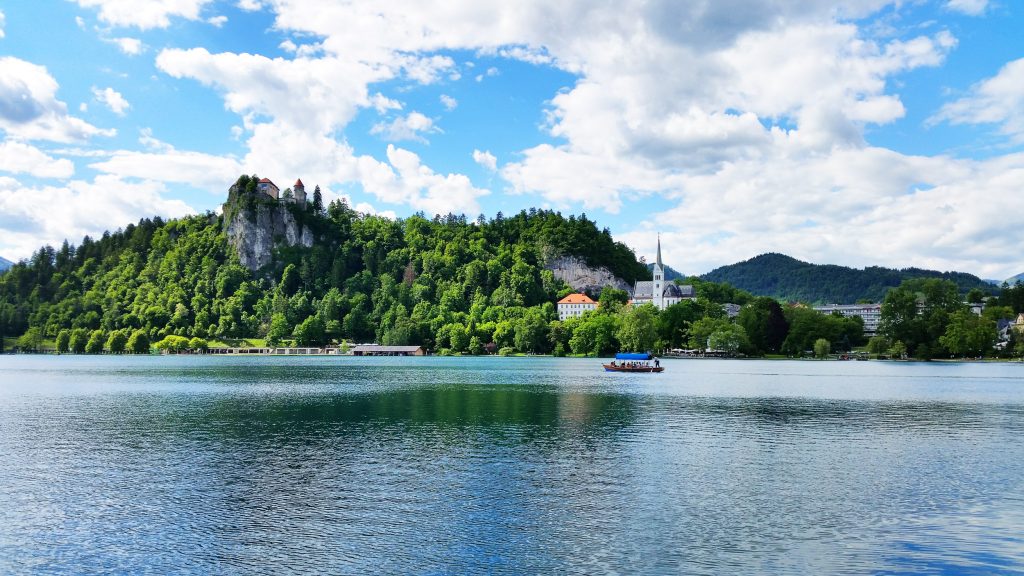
656 363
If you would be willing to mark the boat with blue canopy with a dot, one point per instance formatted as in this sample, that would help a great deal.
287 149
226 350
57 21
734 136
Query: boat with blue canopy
634 362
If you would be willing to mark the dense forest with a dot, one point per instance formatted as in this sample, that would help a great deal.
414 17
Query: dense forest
447 283
789 279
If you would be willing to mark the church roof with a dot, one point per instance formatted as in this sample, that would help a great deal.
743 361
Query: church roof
576 299
299 184
644 290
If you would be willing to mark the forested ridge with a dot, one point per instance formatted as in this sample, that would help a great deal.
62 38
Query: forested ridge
367 278
450 284
789 279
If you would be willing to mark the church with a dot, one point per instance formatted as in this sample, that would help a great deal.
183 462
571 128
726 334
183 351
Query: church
659 291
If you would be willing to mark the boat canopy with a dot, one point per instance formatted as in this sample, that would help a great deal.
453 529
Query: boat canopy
633 356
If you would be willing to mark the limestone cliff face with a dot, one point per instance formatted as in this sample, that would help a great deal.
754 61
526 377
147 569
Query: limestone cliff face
254 230
575 272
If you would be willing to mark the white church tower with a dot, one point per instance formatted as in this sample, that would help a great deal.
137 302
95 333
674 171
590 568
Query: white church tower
658 281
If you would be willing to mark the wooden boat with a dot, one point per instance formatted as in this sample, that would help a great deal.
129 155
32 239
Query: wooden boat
634 362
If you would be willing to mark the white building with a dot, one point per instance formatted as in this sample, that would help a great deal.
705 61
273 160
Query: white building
575 305
870 313
659 291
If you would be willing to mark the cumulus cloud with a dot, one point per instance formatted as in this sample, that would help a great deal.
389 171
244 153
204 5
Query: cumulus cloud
448 102
112 99
29 108
750 115
21 158
144 14
217 21
997 100
129 46
163 163
410 127
35 215
969 7
485 159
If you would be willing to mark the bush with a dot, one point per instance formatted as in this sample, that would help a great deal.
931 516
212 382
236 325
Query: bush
507 351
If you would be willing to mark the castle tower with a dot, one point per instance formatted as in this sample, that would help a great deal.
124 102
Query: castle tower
299 191
658 281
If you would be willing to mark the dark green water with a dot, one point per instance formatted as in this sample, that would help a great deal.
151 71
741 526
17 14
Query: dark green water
508 466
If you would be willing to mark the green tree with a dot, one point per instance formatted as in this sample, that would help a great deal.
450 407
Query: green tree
318 201
117 341
822 348
95 343
878 345
138 343
31 340
198 344
311 332
968 334
279 329
729 338
898 350
638 328
765 325
79 338
63 341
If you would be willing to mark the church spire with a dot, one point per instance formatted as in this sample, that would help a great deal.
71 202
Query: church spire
658 260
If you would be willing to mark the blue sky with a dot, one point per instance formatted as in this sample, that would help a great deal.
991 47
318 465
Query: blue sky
861 132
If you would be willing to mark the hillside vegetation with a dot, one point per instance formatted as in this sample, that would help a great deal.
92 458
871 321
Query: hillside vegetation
789 279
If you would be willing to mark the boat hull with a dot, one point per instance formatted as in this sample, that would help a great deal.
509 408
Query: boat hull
610 368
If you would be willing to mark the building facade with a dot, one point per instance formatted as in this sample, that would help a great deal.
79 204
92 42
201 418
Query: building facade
659 291
575 305
870 313
269 188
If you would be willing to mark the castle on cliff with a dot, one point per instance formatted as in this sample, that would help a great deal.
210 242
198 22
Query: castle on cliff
296 194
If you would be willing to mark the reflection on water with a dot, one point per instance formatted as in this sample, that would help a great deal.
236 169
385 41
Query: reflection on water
437 466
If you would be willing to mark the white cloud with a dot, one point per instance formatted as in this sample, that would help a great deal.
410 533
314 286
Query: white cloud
250 5
144 14
165 164
382 103
313 94
485 159
997 100
969 7
29 109
129 46
112 99
20 158
2 23
410 127
31 216
448 102
407 181
217 21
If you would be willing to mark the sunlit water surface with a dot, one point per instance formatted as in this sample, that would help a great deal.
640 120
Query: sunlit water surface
508 466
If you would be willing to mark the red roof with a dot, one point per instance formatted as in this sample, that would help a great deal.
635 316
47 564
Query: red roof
266 181
298 183
576 299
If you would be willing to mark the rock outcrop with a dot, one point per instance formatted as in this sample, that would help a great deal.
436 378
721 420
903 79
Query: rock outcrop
576 273
255 229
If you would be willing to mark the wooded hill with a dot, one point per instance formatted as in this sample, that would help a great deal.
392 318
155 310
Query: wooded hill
365 279
789 279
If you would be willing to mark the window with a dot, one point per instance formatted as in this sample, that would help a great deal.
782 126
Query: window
657 276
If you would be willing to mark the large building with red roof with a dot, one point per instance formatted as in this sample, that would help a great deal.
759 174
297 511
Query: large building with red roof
575 305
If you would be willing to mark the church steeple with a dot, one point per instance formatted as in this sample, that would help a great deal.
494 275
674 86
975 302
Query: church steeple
658 260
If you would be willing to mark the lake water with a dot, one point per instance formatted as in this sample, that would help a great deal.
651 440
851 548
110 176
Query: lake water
508 466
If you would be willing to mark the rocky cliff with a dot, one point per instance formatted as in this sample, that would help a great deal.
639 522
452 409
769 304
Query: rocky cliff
576 273
255 228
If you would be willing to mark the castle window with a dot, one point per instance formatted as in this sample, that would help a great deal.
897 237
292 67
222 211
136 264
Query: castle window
657 276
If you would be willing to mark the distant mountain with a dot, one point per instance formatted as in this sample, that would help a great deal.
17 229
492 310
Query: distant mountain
787 278
1013 279
5 264
670 272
